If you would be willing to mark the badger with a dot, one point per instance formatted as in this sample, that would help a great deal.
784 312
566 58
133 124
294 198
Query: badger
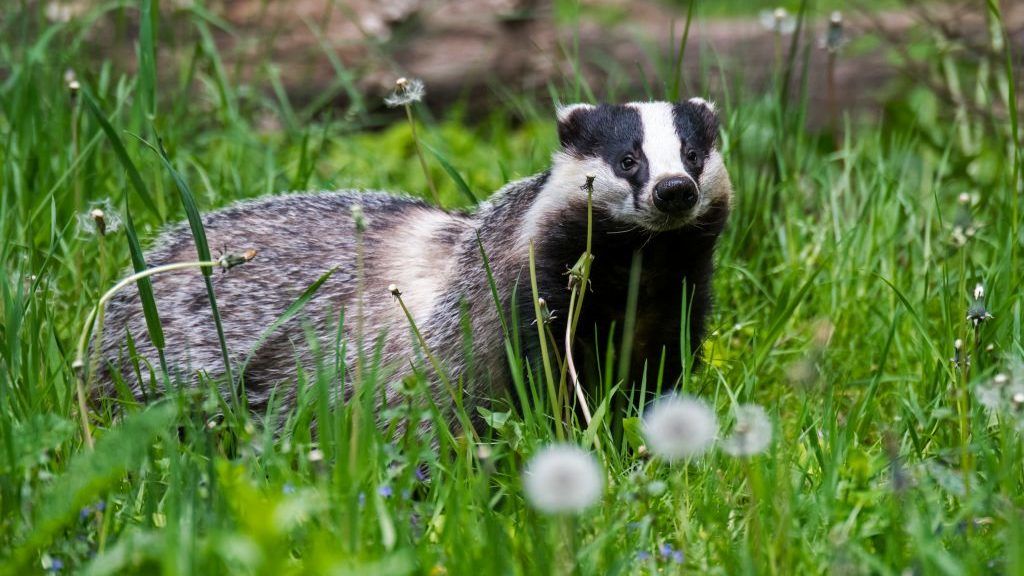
660 192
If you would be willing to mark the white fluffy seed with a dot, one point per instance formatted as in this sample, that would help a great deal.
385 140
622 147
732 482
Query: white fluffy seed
679 427
563 478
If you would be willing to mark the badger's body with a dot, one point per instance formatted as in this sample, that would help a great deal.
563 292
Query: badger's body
660 190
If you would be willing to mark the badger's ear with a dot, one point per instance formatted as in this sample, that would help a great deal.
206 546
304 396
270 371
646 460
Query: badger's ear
570 117
705 119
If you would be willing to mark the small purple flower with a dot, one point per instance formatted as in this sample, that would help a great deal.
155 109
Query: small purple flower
677 556
85 512
101 506
362 499
643 555
665 550
56 565
288 488
385 491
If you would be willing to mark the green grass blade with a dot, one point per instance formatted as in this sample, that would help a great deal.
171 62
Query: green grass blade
460 183
147 55
294 308
115 142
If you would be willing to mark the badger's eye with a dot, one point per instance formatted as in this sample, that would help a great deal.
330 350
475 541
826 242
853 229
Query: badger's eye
692 156
628 163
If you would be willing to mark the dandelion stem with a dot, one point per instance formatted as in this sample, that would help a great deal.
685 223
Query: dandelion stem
576 306
419 153
353 446
79 364
548 374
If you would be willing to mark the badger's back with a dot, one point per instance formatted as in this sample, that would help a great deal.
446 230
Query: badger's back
298 239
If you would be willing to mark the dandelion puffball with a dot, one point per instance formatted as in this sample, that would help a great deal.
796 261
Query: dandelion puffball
563 479
752 433
407 91
678 427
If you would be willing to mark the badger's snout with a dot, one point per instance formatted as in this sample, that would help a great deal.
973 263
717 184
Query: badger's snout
675 194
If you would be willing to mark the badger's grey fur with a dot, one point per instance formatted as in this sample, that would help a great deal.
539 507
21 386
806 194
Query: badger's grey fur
661 190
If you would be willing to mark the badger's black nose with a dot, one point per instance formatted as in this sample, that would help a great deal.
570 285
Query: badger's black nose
675 194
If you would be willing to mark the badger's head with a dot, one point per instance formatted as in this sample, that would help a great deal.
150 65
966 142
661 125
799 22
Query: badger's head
656 164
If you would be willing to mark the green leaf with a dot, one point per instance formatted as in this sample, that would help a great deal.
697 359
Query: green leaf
89 475
41 432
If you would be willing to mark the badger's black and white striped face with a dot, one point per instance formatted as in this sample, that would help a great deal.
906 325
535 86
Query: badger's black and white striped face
656 164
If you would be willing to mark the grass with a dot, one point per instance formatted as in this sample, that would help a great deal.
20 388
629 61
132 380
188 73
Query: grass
843 281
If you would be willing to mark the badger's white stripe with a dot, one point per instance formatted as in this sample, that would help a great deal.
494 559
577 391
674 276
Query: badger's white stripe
565 110
661 143
715 185
418 264
703 102
568 175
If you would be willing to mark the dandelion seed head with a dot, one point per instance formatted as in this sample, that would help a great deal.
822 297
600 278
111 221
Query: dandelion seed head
679 427
563 478
834 39
393 288
752 433
964 198
99 218
407 91
657 488
989 396
779 21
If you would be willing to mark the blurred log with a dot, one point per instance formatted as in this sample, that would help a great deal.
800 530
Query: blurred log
471 49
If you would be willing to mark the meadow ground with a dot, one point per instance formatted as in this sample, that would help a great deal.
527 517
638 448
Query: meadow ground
847 274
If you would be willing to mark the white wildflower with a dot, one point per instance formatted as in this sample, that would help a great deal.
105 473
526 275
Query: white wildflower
678 427
563 479
752 433
316 455
407 91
